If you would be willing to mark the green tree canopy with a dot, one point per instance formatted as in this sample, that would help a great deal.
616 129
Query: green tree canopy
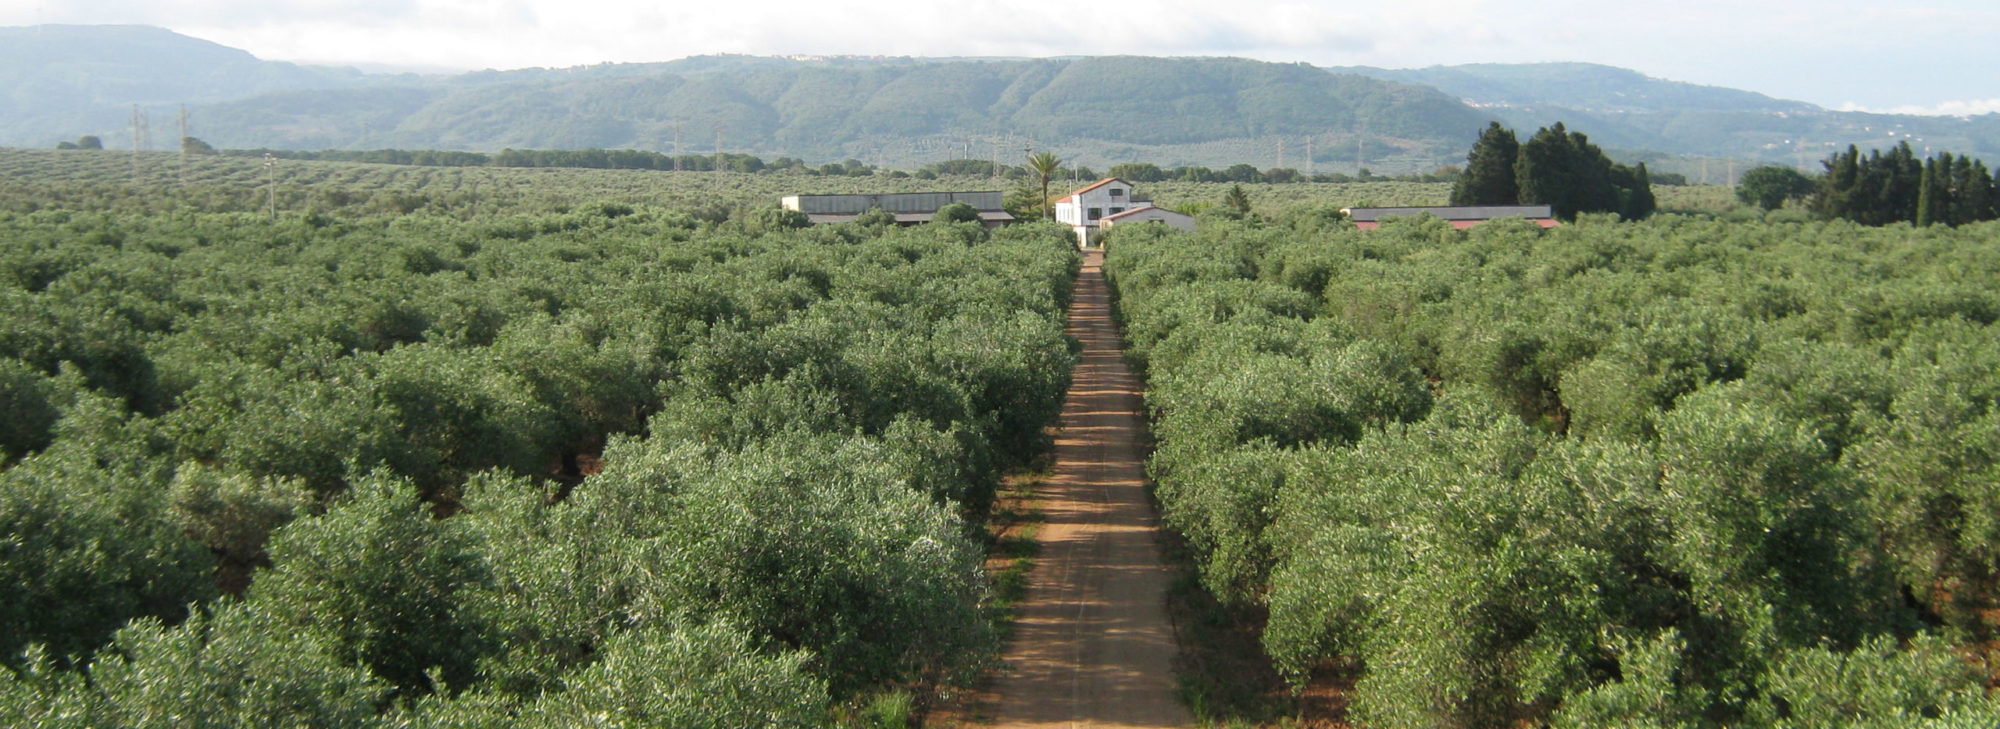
1770 186
1489 170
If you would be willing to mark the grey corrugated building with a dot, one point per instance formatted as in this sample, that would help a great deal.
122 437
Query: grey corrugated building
910 208
1458 216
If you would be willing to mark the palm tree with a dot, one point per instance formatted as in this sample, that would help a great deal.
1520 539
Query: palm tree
1045 165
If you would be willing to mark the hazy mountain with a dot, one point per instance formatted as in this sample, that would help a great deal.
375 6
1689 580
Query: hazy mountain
59 82
1586 87
897 111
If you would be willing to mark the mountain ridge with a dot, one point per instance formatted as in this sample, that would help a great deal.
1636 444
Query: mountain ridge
59 82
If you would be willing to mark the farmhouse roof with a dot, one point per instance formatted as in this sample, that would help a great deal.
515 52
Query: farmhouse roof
1463 212
1092 186
985 216
1141 209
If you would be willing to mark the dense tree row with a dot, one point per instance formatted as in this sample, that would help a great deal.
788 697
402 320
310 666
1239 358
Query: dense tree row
1677 473
1556 167
617 465
1897 187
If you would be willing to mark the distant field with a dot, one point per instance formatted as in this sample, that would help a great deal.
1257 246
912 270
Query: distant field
109 180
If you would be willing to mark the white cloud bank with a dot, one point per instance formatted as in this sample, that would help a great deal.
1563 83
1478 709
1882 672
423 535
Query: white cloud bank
1971 107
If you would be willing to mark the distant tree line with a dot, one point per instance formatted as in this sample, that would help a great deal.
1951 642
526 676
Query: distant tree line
1556 167
1896 187
1882 188
632 159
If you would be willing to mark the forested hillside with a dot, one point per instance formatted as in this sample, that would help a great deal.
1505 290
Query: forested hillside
502 464
1677 473
64 82
1108 109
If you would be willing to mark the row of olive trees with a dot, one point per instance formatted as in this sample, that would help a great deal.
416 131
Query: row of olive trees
616 463
1677 473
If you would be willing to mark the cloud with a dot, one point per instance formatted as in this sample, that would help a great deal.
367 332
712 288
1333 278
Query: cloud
1966 107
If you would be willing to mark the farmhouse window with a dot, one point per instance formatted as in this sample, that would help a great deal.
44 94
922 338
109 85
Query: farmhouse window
1096 213
1117 192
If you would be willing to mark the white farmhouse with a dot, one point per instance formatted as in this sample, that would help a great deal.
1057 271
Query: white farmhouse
1083 208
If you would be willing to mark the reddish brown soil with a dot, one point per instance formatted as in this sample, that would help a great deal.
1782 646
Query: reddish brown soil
1093 646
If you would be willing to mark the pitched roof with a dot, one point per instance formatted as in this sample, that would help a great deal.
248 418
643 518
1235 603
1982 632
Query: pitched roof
1092 186
1469 212
985 216
1141 209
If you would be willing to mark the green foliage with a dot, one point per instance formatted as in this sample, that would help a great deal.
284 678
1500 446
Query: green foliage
385 582
1612 473
1044 166
233 515
1896 187
91 544
33 403
234 668
1237 201
1489 170
1562 169
956 213
1771 186
499 444
701 676
888 588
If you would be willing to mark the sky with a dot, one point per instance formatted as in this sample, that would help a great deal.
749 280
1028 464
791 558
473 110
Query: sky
1906 56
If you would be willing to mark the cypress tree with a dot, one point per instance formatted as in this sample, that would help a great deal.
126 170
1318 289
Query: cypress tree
1489 170
1930 195
1970 198
1640 203
1563 170
1983 197
1902 179
1544 172
1837 186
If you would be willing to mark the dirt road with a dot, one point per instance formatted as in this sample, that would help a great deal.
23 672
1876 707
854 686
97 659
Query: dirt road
1093 647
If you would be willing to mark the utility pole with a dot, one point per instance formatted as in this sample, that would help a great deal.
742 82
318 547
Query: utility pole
1281 154
677 144
996 157
139 140
271 184
718 146
185 136
1309 155
1360 145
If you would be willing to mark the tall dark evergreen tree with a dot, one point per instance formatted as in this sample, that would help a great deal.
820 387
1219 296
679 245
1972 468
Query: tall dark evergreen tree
1489 170
1838 187
1898 187
1638 195
1932 200
1972 191
1546 173
1563 170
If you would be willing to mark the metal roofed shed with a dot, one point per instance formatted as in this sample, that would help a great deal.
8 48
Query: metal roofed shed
910 208
1458 216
